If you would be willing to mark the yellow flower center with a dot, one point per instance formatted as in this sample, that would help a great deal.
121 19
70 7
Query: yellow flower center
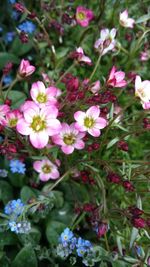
89 122
69 139
41 98
12 122
38 124
140 92
81 16
46 168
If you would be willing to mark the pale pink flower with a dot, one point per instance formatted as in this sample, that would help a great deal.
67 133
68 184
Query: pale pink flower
69 138
146 105
144 56
125 21
106 42
39 124
90 121
25 68
116 78
43 96
46 169
4 109
142 89
95 87
84 16
46 78
80 56
12 118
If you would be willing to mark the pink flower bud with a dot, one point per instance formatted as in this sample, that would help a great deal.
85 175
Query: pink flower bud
25 69
139 222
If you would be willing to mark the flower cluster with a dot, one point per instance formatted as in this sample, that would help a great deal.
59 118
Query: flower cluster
14 209
16 166
69 244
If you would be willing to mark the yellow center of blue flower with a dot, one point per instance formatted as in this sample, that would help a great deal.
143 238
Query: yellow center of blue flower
89 122
38 124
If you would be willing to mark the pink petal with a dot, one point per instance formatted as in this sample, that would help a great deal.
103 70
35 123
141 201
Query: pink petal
79 144
57 139
54 173
37 165
53 127
67 149
100 123
23 127
93 112
79 116
39 139
94 132
44 176
138 82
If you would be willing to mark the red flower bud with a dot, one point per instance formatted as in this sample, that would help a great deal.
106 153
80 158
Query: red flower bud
128 186
138 222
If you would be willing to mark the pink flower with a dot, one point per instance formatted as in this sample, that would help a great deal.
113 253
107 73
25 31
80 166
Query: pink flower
106 42
95 87
125 21
116 78
142 90
25 69
4 109
69 138
144 56
84 16
80 56
146 105
38 123
46 169
90 121
12 118
43 96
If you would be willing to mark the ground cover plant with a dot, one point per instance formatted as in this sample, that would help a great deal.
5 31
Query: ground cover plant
75 133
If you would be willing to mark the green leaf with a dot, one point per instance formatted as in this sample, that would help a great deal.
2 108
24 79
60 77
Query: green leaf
27 193
17 98
53 231
143 18
134 235
112 142
7 57
119 244
17 179
120 264
26 257
6 192
8 238
19 48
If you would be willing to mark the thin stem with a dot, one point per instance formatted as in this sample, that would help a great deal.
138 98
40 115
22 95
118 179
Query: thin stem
64 74
80 218
3 215
95 68
106 242
51 187
11 86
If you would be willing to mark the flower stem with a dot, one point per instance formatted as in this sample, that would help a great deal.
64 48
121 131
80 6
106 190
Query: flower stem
95 68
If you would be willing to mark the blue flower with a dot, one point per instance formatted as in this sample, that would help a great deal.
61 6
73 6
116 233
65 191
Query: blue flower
66 236
7 80
12 1
16 166
15 15
27 27
3 173
14 207
83 246
22 227
9 36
